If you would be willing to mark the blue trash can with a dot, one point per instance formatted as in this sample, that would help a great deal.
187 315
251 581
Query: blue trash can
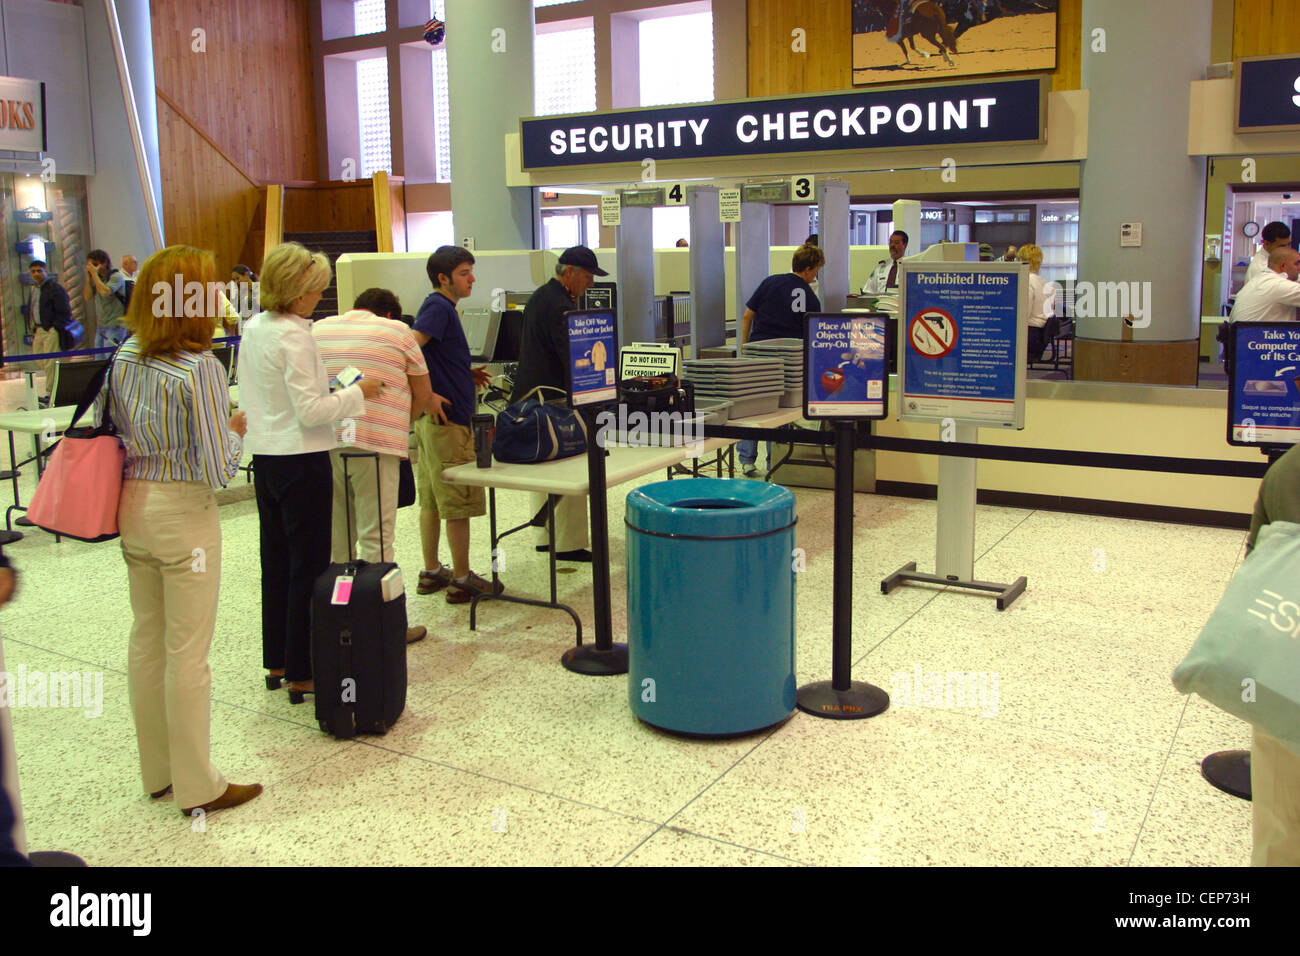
710 602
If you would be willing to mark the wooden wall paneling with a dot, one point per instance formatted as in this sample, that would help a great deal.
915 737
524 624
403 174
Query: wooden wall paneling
330 206
252 87
207 202
775 69
1265 27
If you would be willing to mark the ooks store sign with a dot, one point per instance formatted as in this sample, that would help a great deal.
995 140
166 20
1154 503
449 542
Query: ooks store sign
992 112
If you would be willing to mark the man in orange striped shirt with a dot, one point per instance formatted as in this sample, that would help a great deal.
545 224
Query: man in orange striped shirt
373 339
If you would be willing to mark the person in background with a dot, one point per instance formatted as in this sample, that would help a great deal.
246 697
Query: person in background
373 338
129 266
1272 296
285 391
167 396
884 276
1273 236
10 804
683 244
812 239
50 313
104 287
246 282
776 310
441 336
544 360
1274 768
1010 255
1042 300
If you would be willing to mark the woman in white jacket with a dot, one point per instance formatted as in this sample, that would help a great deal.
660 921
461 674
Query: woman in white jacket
284 391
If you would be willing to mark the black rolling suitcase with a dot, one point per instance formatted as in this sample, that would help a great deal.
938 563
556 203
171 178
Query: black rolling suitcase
358 641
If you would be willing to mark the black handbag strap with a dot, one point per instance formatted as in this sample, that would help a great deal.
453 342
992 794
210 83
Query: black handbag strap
91 392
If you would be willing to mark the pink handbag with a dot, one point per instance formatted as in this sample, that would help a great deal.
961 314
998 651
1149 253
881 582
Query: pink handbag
79 490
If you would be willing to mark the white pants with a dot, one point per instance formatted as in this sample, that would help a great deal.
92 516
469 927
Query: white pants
171 540
368 517
1274 802
570 521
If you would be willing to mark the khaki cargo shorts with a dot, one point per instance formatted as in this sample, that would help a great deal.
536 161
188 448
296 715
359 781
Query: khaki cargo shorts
444 446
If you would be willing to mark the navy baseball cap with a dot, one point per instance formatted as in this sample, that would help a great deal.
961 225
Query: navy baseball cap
583 258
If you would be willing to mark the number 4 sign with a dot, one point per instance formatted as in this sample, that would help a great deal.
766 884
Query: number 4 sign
674 194
801 187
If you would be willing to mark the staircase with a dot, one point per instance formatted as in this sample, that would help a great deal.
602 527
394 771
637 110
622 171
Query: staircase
334 244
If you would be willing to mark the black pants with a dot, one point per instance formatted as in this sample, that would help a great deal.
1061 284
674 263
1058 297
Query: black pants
1037 341
294 502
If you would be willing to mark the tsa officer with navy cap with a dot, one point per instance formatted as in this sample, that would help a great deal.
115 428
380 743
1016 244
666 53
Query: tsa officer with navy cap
544 360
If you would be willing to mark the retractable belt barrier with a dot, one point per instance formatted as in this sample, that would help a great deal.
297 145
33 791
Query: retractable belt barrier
1033 456
77 353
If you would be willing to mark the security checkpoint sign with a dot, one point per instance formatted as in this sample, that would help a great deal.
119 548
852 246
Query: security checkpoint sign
1264 384
844 365
962 342
593 354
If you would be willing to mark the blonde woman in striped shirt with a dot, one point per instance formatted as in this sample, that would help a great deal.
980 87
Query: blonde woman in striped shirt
168 398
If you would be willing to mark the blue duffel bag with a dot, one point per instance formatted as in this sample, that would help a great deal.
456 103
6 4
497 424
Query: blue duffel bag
533 430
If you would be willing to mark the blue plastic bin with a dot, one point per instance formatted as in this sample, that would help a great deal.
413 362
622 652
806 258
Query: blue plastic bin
710 601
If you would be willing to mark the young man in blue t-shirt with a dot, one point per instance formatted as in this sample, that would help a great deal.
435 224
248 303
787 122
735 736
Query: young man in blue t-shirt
446 351
776 310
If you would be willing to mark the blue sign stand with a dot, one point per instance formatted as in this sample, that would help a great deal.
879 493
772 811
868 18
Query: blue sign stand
961 364
844 380
593 383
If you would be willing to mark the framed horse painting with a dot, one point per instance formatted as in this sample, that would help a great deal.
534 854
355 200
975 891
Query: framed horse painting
904 40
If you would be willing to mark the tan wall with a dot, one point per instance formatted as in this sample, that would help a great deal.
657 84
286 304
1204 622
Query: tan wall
775 69
231 118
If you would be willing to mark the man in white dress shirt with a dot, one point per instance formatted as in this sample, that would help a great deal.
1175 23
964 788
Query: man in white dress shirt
884 277
1275 235
1274 294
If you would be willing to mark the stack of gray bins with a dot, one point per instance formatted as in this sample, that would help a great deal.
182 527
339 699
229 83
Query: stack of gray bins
754 386
789 351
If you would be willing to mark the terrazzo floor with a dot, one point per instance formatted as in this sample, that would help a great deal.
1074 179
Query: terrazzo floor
1078 752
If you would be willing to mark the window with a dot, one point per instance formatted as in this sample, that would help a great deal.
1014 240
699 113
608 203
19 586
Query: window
370 16
372 108
670 223
676 59
564 67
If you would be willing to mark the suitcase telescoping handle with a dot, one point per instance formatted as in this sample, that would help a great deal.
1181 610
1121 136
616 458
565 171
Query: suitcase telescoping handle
347 500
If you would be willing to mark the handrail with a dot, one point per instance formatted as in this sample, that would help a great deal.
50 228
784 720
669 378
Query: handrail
133 122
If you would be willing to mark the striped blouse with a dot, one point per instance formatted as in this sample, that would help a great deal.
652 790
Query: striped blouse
173 415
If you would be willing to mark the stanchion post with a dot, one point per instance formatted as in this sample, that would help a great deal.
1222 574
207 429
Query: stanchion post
604 658
842 698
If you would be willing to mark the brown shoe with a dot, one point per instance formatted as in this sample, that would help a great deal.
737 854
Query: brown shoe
236 793
416 633
462 592
435 581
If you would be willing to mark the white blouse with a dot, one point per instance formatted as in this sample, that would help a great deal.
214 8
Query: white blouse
284 389
1042 300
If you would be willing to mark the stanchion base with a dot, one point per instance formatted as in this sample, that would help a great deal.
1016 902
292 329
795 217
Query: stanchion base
25 521
1005 593
1229 771
595 663
861 700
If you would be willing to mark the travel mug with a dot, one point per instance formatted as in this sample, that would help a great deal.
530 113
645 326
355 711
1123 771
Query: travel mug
484 431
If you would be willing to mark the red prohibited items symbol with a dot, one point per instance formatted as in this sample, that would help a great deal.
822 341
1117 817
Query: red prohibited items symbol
932 333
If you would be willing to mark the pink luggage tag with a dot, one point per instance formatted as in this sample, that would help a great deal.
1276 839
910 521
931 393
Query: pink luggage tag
342 589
